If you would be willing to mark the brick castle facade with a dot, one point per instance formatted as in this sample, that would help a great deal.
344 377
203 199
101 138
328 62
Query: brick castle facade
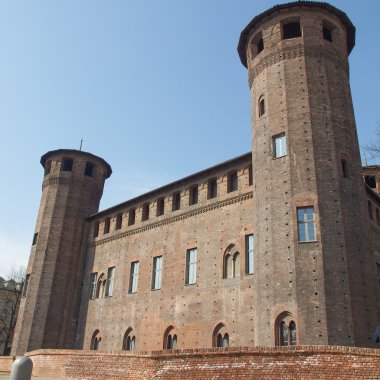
276 247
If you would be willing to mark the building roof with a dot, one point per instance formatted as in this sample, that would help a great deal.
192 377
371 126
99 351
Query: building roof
172 185
74 151
314 4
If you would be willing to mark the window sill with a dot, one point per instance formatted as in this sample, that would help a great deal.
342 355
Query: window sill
306 242
276 158
154 290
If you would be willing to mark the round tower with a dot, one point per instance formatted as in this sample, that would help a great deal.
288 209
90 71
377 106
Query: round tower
314 278
71 191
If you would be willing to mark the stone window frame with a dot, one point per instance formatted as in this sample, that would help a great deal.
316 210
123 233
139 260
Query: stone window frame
231 262
134 277
279 145
191 266
157 267
261 106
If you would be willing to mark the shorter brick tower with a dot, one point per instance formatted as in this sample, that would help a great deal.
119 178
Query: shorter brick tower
71 191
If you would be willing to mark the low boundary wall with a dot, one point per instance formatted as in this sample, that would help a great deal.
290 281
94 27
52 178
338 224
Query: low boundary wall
6 363
306 362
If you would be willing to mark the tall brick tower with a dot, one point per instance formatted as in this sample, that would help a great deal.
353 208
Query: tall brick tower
71 190
315 281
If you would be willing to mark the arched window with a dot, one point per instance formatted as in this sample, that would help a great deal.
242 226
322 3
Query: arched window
170 339
261 106
220 337
96 341
231 263
101 286
286 333
129 341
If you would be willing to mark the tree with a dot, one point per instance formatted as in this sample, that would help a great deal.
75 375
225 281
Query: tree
10 294
373 148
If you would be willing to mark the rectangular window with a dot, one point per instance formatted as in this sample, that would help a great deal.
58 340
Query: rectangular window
191 266
193 195
67 165
306 224
89 169
160 206
47 167
279 146
291 30
232 182
249 254
119 221
145 212
110 281
157 272
107 222
134 277
94 279
35 237
131 217
212 188
26 283
176 201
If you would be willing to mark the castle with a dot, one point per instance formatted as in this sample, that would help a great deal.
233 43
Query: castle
279 246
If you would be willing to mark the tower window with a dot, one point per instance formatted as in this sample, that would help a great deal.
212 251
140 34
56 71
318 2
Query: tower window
260 45
257 45
191 266
327 33
279 145
96 341
212 188
370 180
250 175
67 165
145 212
134 277
220 337
344 168
176 201
119 221
26 283
249 254
47 167
261 106
131 217
231 265
232 182
170 339
107 223
291 30
35 237
370 210
306 224
193 195
96 230
156 273
286 334
89 169
160 206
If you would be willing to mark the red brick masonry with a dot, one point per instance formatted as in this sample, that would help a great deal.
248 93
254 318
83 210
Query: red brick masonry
6 363
301 362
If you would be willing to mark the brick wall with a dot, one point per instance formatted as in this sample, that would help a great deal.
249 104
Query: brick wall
306 362
6 363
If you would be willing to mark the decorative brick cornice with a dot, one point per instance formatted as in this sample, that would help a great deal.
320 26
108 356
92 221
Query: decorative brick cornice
291 52
55 181
174 219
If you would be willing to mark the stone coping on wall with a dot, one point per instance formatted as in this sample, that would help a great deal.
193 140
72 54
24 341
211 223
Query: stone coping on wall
217 351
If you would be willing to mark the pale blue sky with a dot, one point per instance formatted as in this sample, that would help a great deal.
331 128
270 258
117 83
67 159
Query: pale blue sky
156 88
